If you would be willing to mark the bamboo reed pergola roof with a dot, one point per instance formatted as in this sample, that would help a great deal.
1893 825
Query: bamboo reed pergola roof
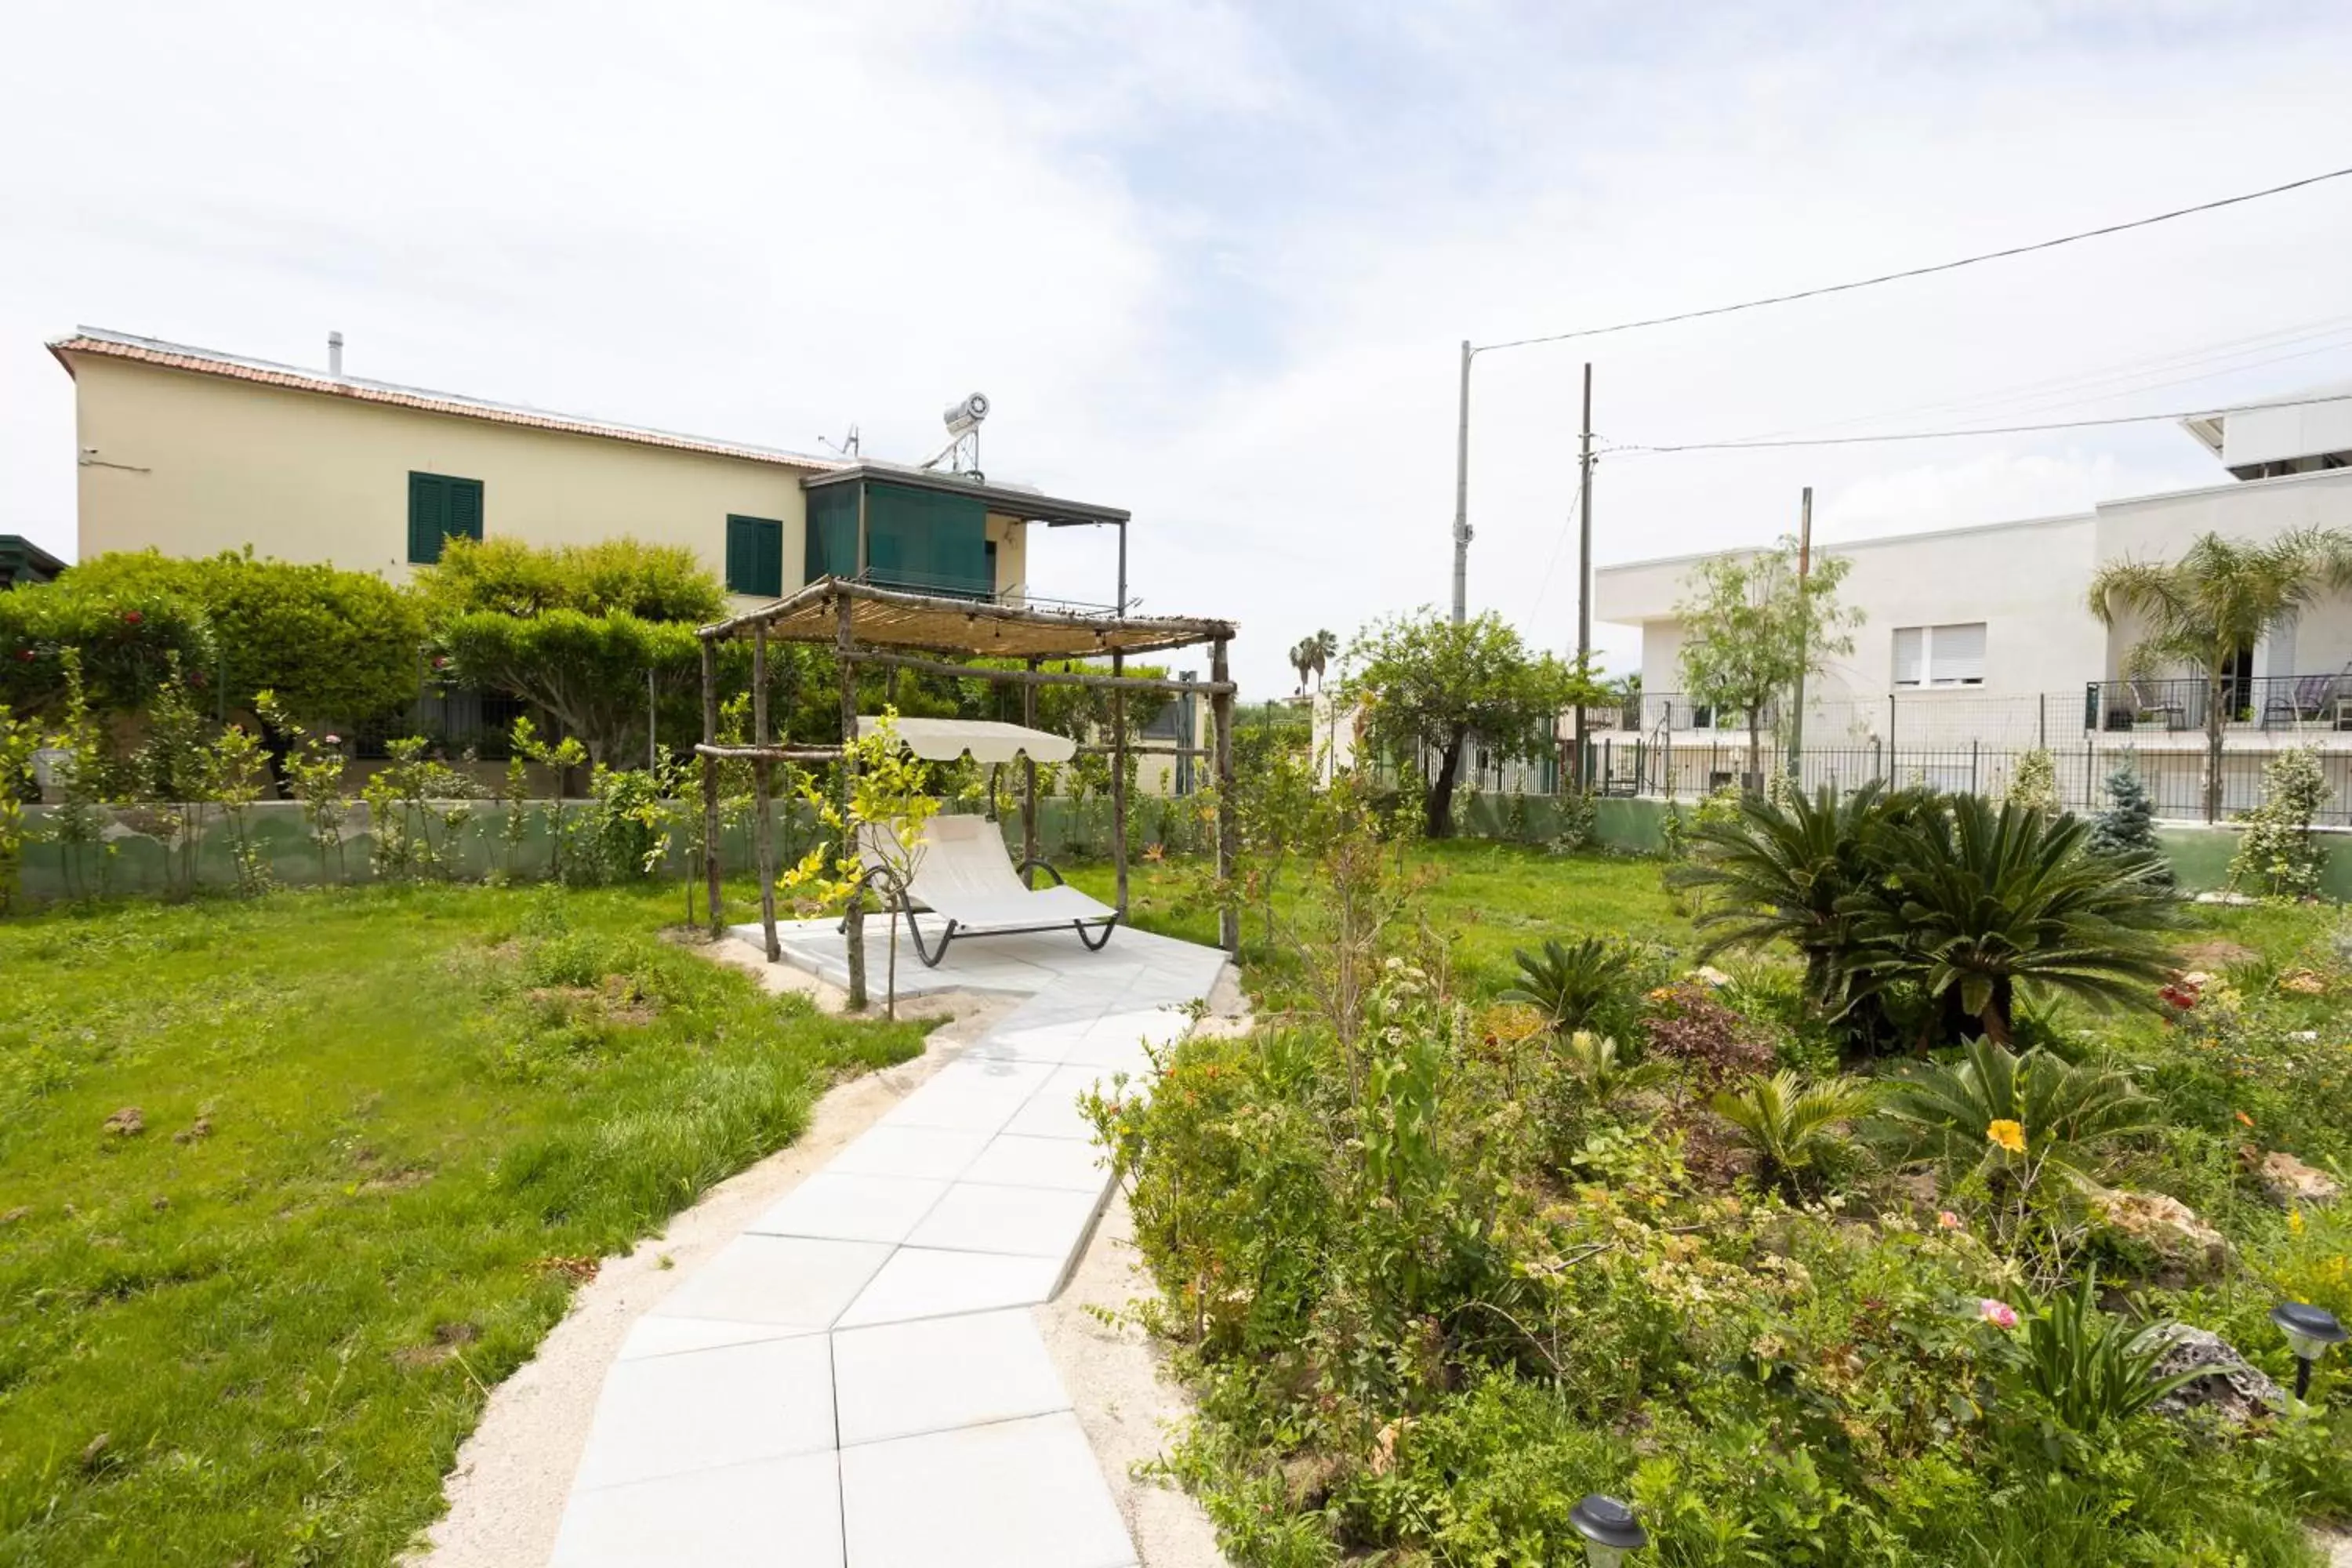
893 618
867 624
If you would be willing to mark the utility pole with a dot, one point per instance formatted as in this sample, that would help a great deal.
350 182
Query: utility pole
1805 630
1583 565
1462 495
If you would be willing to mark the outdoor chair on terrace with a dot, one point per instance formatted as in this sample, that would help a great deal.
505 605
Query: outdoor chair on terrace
2316 698
2145 702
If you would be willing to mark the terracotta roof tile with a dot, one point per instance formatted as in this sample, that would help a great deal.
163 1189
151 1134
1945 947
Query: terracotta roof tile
204 362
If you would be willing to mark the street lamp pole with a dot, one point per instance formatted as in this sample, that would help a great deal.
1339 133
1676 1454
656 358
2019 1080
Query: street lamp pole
1461 494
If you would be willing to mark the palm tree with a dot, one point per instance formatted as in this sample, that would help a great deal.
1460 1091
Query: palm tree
1326 649
1975 902
2219 599
1302 659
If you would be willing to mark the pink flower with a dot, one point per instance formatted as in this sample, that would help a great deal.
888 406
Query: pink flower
1946 1220
1999 1314
334 739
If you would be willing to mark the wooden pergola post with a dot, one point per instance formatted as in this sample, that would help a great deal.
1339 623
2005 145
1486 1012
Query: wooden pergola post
1221 708
763 821
710 870
1028 778
854 929
1118 779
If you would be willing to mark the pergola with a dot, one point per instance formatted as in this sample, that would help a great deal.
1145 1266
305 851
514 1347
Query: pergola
926 633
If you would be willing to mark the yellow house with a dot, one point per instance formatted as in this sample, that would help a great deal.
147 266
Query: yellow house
191 452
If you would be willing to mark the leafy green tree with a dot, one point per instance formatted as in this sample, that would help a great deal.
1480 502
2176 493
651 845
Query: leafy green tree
332 646
612 576
126 639
589 635
2218 601
1428 685
1751 630
2276 853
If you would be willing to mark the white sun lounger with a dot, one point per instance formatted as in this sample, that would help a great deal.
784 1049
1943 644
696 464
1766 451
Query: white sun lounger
965 875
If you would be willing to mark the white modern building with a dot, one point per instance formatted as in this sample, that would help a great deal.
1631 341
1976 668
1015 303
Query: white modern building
1978 643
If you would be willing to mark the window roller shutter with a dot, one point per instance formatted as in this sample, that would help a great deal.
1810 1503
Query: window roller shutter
1959 654
1908 649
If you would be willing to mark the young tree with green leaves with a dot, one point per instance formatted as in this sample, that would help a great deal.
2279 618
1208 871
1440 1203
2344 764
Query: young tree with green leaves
591 636
2219 599
1752 629
1426 685
332 647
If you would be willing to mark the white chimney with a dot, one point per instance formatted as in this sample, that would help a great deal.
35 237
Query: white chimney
335 355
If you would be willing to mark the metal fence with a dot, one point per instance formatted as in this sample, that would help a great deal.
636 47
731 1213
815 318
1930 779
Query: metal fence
2175 777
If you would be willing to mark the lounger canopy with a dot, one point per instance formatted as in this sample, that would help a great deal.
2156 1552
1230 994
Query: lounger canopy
983 739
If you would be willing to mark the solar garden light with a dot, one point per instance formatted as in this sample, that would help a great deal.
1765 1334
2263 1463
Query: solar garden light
2309 1332
1610 1530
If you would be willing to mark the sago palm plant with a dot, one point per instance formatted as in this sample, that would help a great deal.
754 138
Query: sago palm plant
1995 1111
1777 872
1586 984
1977 901
1793 1126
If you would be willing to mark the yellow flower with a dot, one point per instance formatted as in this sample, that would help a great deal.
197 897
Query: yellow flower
2294 1221
2009 1135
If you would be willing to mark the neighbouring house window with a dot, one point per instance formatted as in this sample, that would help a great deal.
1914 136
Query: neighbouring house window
1940 656
440 506
755 556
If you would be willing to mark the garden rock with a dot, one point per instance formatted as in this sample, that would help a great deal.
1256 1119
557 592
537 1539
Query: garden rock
2292 1184
2168 1225
2232 1388
127 1123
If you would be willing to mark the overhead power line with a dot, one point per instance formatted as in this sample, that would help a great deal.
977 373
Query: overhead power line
1921 272
1952 435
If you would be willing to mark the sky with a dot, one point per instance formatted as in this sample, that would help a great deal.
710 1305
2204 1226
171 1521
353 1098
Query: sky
1212 262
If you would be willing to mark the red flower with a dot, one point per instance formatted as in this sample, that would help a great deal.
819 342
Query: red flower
28 655
2180 994
133 616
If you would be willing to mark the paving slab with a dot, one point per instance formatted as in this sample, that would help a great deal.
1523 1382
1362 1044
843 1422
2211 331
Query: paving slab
900 1380
1014 1494
774 1513
855 1381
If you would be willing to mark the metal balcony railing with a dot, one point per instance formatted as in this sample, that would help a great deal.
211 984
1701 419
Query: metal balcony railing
2268 702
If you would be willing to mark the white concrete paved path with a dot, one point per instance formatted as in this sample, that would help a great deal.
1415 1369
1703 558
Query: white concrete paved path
855 1381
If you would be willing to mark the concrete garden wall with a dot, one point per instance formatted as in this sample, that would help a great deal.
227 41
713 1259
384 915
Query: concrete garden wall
137 855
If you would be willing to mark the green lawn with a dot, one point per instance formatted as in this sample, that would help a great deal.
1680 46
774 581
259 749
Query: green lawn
376 1130
1489 899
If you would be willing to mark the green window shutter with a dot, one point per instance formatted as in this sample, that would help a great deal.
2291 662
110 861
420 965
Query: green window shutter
438 508
739 551
771 558
464 510
755 556
428 504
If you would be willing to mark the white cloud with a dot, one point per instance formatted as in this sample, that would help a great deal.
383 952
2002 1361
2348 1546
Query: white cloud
1211 260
